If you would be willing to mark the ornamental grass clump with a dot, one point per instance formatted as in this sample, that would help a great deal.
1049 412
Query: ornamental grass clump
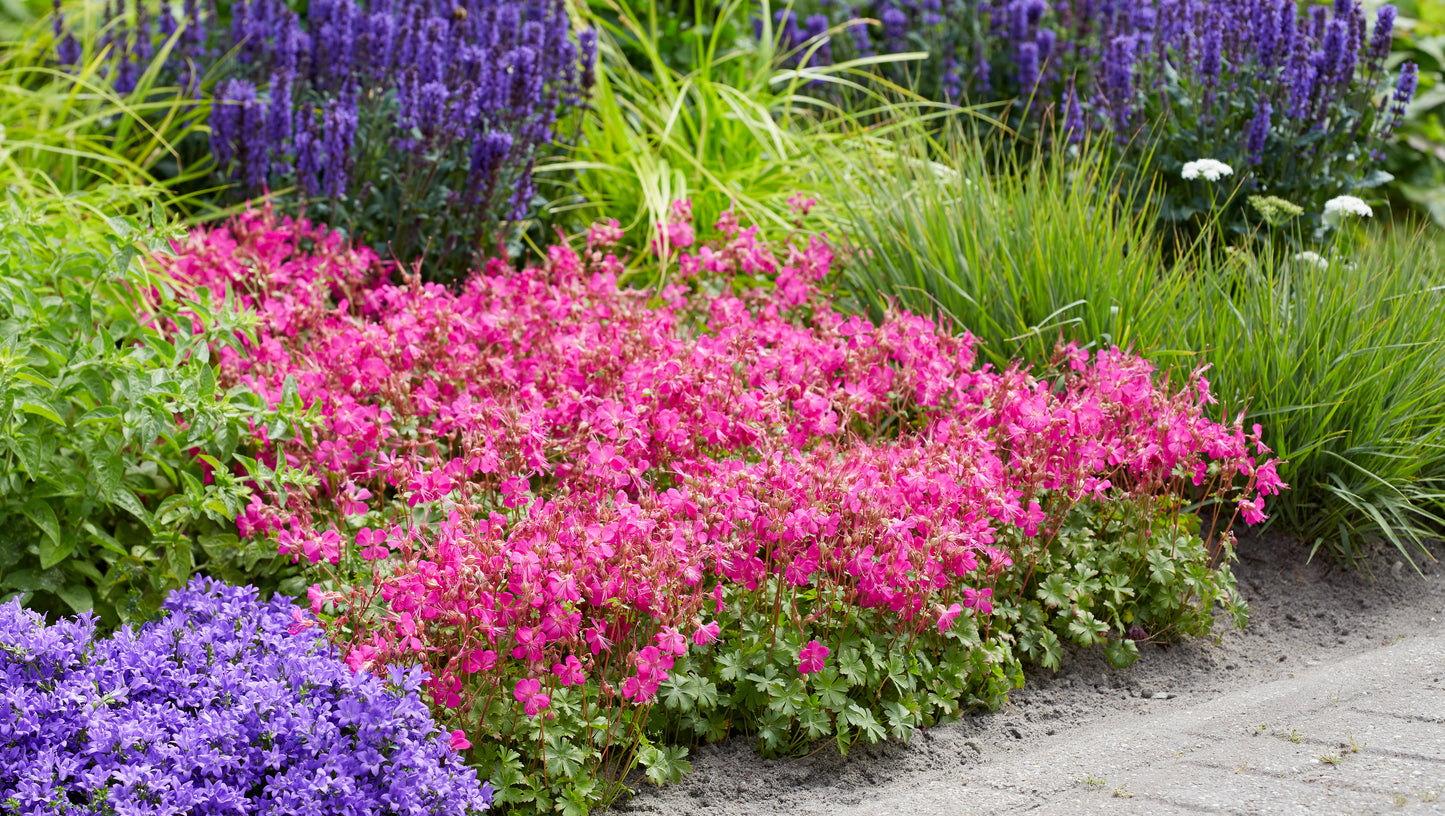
223 705
611 522
1295 96
415 125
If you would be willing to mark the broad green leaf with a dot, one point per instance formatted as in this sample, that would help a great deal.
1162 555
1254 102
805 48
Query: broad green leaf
40 512
41 408
77 597
127 500
179 558
54 552
1121 652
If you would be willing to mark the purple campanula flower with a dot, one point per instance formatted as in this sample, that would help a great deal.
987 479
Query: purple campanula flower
220 706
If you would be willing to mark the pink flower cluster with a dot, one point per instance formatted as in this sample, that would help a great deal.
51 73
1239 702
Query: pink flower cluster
594 464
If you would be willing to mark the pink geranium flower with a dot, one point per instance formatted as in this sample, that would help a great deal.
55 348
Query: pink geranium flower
811 657
372 544
705 634
945 618
529 693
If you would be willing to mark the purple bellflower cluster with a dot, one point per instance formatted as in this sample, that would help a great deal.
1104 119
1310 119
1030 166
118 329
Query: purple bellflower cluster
224 705
425 116
1295 93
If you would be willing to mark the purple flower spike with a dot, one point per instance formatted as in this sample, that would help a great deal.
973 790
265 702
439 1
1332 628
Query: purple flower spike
1259 132
1380 40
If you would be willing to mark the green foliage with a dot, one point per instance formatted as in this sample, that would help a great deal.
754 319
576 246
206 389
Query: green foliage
117 447
1345 362
1013 252
1101 576
62 132
878 683
677 30
730 126
1416 156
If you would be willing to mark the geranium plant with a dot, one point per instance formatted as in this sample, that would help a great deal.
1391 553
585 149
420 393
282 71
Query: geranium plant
573 501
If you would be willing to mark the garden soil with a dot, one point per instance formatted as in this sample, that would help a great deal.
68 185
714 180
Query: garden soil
1331 701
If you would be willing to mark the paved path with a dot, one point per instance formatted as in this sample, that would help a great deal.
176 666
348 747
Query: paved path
1363 735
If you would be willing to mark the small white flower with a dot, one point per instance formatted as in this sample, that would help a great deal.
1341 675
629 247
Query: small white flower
1208 169
1340 206
1313 258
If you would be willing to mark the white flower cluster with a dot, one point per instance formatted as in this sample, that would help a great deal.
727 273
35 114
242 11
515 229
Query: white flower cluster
1340 206
1208 169
1312 258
